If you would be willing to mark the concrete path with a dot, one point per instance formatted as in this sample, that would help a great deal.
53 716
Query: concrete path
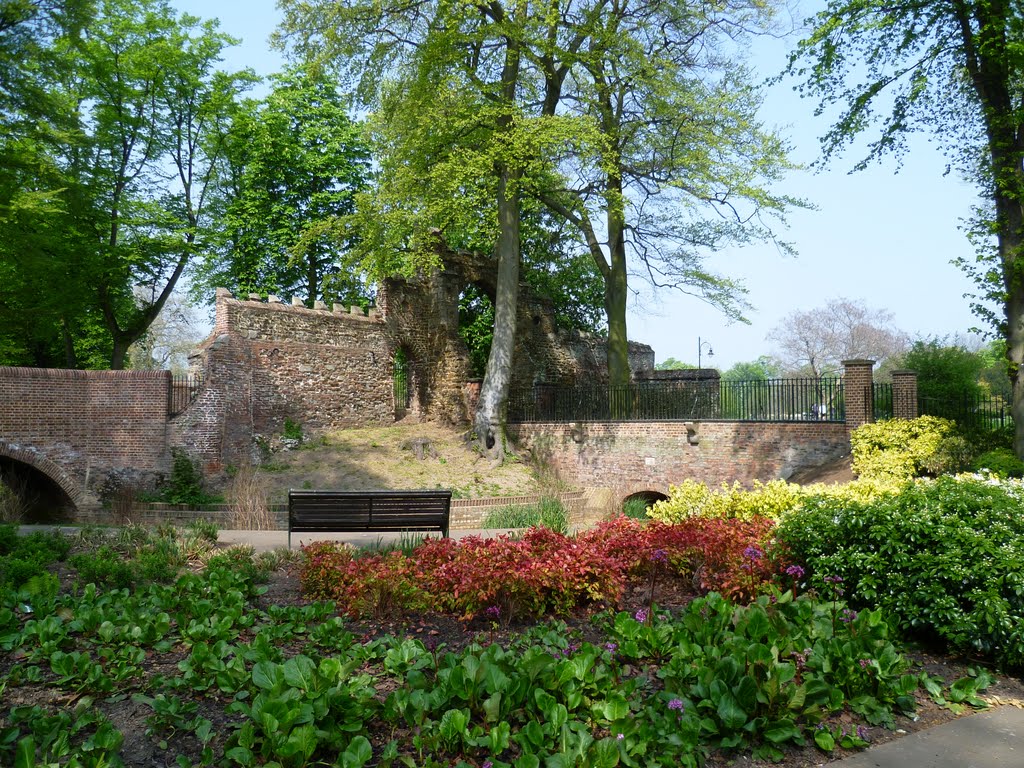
992 739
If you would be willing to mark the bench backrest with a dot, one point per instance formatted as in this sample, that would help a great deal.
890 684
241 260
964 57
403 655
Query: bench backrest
353 511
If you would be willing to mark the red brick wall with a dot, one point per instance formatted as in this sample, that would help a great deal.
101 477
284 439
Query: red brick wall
86 422
633 456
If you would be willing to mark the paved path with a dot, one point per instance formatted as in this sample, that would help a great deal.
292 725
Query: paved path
992 739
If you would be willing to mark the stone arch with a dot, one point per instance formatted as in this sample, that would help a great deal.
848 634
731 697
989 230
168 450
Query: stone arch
70 492
649 497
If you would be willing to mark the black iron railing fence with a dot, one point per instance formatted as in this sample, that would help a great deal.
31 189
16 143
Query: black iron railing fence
970 411
184 389
881 401
770 400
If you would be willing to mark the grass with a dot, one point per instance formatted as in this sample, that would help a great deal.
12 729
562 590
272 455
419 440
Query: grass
547 512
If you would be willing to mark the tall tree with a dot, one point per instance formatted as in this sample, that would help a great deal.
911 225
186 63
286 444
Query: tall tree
446 82
678 165
294 163
953 68
815 342
120 182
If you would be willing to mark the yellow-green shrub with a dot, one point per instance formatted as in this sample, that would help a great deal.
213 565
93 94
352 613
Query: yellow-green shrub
773 499
900 449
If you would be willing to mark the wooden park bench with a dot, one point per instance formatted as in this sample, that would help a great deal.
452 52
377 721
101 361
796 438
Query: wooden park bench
367 511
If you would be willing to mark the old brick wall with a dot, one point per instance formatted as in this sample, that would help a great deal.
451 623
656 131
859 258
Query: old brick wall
633 456
80 426
268 362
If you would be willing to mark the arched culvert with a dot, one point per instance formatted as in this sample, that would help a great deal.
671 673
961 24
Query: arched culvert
637 504
32 497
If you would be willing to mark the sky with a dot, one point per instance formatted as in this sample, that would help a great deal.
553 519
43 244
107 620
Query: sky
878 236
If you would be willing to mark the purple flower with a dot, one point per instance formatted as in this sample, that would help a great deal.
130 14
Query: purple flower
795 571
493 612
676 704
641 615
621 736
611 647
753 553
833 579
864 663
487 764
862 733
848 615
659 556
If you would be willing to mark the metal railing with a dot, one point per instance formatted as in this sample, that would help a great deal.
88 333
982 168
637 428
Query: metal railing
881 401
769 400
969 410
184 390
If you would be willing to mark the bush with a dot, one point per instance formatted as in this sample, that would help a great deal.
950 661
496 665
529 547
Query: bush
635 508
105 568
769 500
1001 461
185 485
945 557
904 448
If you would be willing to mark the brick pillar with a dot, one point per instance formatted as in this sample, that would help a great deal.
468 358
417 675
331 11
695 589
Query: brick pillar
857 383
904 394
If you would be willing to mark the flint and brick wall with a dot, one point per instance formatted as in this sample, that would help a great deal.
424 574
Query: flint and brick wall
268 362
635 456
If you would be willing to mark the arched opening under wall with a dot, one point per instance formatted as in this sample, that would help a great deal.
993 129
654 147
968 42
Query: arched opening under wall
30 496
637 504
408 383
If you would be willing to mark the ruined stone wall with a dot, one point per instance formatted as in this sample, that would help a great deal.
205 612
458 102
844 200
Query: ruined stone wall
268 362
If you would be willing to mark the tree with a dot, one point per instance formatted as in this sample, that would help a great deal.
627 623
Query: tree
762 369
815 342
952 68
294 163
116 184
671 364
449 118
676 164
170 338
944 370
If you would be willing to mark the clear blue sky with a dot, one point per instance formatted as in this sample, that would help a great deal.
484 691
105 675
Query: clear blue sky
878 236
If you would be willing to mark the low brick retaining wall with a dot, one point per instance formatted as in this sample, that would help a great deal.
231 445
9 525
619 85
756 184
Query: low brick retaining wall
466 513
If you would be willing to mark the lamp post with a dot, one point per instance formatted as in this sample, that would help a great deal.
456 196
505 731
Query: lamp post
700 349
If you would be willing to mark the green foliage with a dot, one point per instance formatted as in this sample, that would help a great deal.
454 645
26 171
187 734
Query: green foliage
944 558
635 508
476 327
900 449
549 513
762 369
295 162
944 370
292 430
1001 462
671 364
185 483
115 168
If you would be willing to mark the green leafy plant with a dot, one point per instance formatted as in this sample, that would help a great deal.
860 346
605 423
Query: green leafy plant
292 430
1002 462
944 558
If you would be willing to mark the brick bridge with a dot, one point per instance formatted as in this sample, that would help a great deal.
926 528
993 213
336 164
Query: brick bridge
72 438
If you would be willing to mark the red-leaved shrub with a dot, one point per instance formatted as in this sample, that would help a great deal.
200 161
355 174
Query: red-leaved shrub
544 571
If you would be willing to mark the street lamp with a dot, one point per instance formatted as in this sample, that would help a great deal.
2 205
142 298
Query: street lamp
700 349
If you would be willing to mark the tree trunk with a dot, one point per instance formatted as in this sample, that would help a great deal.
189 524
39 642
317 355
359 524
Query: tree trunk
494 390
615 287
